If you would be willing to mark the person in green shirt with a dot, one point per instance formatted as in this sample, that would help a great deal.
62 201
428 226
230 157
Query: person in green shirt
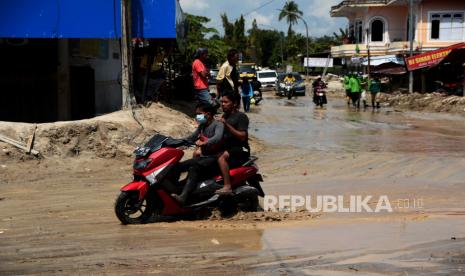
355 90
374 87
347 88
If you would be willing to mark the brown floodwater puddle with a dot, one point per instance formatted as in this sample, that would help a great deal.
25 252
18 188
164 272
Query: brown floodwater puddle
298 123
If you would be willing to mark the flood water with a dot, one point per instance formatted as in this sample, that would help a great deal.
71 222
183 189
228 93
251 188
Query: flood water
299 123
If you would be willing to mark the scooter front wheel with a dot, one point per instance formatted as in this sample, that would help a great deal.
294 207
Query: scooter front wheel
131 210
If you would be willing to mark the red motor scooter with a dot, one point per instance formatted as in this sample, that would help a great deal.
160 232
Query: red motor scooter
155 179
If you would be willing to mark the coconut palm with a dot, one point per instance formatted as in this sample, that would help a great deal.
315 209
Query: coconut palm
291 13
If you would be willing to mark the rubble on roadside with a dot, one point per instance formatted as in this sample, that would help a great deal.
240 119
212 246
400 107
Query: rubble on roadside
432 102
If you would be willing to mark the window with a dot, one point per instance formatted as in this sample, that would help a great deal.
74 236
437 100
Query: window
447 26
377 30
358 31
435 23
351 34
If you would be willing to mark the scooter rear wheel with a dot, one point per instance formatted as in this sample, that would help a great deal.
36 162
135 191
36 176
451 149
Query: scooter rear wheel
249 204
130 210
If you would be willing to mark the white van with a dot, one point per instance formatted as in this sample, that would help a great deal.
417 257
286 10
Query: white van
267 78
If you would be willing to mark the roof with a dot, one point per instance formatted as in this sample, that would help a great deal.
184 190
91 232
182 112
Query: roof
348 5
88 19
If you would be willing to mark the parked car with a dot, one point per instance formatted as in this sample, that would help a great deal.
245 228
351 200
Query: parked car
213 74
247 70
300 89
267 78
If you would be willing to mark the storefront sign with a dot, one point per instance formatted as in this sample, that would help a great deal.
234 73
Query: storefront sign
430 58
318 62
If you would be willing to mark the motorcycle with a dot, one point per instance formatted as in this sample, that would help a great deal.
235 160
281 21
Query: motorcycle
289 89
155 180
257 97
320 96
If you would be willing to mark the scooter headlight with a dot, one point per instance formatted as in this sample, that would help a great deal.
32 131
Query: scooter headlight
152 178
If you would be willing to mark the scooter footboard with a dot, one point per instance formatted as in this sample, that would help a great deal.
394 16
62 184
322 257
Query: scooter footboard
141 187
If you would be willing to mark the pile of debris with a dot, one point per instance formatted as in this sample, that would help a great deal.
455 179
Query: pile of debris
432 102
107 136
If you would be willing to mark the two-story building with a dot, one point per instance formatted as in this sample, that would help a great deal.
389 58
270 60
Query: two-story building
381 26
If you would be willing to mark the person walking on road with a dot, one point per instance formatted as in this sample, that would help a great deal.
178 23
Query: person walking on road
355 90
375 88
246 93
347 88
200 74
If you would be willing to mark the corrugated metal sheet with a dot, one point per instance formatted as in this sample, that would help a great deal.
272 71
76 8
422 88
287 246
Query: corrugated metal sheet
86 18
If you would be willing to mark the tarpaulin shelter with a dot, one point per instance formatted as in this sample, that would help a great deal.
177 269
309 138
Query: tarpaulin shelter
61 59
88 19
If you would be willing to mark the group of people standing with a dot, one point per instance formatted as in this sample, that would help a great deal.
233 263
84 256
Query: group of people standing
355 86
227 80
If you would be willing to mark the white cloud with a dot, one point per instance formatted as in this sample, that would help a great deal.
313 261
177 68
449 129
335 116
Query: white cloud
261 19
321 9
316 13
194 5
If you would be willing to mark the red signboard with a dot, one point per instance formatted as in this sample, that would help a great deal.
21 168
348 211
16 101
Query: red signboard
430 58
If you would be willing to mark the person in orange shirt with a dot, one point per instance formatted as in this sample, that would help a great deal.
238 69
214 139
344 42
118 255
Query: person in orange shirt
200 75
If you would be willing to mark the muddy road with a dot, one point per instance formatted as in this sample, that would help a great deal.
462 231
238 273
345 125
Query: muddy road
57 214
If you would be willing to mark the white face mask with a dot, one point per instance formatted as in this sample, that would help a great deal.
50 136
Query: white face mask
201 119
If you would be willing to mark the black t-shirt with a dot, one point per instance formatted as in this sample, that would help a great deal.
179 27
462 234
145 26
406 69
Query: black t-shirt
240 122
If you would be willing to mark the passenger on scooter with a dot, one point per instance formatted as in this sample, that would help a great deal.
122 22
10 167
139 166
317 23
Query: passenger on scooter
237 150
208 137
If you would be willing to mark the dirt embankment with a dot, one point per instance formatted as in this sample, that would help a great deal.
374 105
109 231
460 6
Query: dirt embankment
109 136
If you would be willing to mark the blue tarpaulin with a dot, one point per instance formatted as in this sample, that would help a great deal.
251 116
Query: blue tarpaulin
87 18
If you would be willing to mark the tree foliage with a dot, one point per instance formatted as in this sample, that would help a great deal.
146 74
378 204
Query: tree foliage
268 48
291 13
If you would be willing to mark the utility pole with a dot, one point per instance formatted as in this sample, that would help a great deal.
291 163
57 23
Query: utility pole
368 54
306 67
126 52
410 37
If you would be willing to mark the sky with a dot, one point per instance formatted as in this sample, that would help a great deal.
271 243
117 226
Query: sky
316 14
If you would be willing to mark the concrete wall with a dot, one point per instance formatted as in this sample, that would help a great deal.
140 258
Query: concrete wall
395 19
107 67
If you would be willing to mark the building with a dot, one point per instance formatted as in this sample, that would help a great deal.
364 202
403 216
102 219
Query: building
61 60
383 25
380 27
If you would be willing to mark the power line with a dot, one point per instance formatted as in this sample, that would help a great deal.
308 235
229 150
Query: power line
259 7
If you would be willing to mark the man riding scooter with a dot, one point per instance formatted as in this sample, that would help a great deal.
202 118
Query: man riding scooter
289 81
208 137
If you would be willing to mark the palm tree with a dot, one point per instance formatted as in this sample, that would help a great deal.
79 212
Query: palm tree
291 13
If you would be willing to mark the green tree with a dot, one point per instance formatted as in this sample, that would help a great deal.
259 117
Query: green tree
341 36
228 29
240 40
234 33
291 13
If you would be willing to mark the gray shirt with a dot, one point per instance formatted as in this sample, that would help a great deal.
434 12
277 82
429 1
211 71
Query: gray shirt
214 132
